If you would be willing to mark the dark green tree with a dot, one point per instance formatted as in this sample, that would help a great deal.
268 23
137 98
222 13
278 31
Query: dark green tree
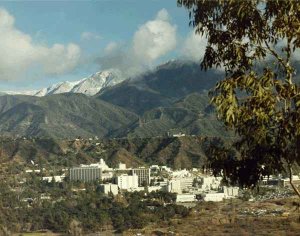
255 42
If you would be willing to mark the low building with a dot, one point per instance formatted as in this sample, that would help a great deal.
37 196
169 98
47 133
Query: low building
85 174
57 178
186 198
214 197
109 189
210 182
154 168
156 188
122 166
231 192
165 168
106 175
286 182
181 173
101 164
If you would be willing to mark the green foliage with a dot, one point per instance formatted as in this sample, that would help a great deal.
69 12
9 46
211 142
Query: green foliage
79 212
261 105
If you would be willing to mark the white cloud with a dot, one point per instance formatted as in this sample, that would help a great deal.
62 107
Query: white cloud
194 47
111 47
155 38
90 36
163 15
151 41
18 53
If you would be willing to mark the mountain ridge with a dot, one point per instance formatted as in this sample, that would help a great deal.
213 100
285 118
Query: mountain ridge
89 85
168 100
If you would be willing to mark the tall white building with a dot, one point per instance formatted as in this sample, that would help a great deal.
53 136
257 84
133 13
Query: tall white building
186 183
127 182
85 174
174 186
143 175
109 188
178 185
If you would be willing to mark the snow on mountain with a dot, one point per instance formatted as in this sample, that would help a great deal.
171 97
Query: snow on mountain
62 87
89 86
96 82
26 92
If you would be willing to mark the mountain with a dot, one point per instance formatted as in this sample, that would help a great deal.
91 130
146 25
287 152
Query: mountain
183 152
88 86
168 100
63 87
172 99
62 116
97 82
161 87
191 115
24 92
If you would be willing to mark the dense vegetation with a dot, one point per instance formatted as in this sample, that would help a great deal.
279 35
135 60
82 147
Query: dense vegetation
61 206
183 152
261 106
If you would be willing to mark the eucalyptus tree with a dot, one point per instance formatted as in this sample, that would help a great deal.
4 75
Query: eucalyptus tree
257 43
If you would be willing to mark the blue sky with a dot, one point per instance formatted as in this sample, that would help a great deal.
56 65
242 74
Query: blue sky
50 41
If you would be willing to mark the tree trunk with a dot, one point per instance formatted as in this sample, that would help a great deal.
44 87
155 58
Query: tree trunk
291 182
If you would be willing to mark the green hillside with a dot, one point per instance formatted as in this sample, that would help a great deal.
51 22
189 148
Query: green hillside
168 100
160 87
62 116
191 115
184 152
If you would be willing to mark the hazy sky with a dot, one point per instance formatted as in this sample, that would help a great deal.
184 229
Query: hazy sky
44 42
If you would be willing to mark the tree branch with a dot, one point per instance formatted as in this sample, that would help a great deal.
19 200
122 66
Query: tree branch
285 64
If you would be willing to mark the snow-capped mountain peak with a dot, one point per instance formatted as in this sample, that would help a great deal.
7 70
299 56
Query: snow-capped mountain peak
89 85
94 83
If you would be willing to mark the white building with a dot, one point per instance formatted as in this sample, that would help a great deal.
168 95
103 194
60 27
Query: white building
174 186
106 175
127 182
143 175
165 168
122 166
286 182
155 188
179 185
154 168
57 178
210 182
109 188
231 192
179 135
85 173
214 197
101 164
185 198
181 173
186 183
